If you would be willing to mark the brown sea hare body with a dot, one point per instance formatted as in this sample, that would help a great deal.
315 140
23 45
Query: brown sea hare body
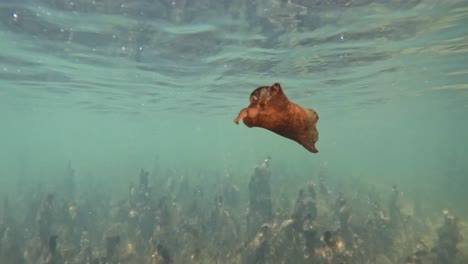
270 109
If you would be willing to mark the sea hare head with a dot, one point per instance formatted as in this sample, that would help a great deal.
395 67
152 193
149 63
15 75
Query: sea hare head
260 99
261 96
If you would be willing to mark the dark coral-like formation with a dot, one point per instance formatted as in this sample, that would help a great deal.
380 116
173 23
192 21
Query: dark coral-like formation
260 209
172 218
445 249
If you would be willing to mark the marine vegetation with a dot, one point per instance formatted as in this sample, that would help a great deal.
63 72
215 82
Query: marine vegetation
168 218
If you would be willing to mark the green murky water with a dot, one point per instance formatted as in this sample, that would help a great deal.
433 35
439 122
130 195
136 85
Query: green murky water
112 87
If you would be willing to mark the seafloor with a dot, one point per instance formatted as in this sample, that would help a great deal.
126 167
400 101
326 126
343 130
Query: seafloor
166 218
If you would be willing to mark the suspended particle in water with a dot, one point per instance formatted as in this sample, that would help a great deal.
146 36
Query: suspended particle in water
15 16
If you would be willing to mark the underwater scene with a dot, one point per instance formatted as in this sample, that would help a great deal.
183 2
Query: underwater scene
234 131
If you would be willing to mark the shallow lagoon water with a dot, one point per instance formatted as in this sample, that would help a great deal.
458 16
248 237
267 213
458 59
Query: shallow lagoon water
116 87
